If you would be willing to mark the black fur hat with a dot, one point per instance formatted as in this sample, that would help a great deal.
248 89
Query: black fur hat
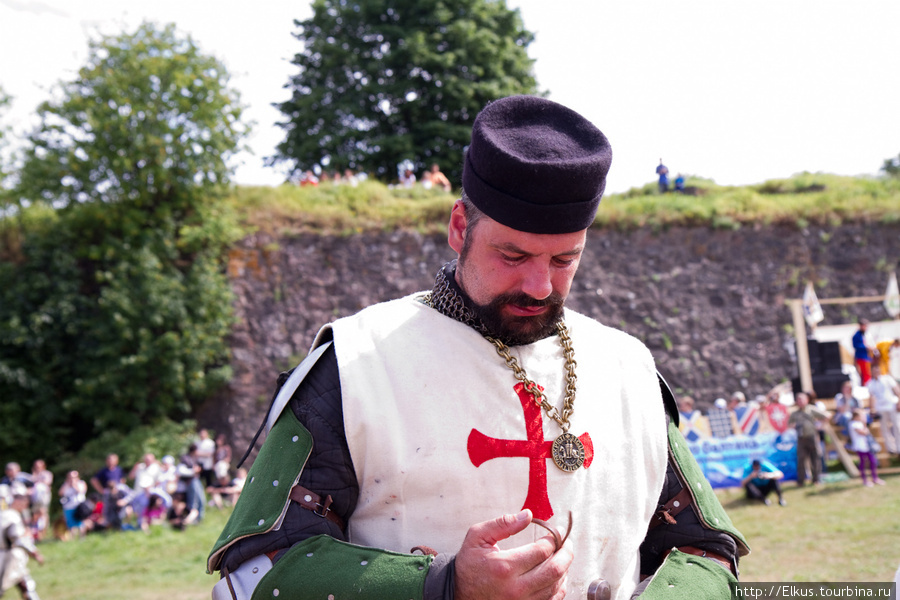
536 166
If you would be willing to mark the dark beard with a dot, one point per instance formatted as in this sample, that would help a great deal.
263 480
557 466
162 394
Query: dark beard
516 331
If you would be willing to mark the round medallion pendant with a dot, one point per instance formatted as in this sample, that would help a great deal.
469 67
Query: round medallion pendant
568 452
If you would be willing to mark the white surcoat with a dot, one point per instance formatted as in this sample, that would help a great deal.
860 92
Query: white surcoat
440 439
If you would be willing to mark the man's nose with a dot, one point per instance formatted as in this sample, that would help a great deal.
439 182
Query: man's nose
537 282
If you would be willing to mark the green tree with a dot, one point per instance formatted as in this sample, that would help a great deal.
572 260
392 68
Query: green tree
115 309
891 167
382 81
5 101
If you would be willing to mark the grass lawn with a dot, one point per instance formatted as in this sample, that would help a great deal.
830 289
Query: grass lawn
841 532
164 564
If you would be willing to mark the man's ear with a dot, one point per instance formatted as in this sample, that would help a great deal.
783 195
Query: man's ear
456 229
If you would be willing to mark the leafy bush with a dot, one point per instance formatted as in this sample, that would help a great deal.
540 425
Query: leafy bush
114 305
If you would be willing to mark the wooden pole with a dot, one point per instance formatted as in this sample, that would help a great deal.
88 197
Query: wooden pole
852 300
802 347
843 455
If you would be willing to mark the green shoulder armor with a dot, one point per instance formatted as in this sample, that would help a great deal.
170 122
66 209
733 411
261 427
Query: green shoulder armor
266 493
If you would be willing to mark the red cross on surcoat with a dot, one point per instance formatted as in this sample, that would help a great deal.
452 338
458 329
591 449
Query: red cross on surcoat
483 448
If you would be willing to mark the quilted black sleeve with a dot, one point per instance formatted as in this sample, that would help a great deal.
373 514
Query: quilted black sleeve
329 470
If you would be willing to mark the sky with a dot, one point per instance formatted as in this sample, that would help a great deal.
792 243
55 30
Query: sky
735 91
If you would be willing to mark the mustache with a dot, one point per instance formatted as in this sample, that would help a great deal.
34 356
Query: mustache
522 299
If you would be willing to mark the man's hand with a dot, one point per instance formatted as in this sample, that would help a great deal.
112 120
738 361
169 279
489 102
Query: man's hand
532 571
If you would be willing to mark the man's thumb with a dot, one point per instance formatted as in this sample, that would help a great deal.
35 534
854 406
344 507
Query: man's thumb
504 527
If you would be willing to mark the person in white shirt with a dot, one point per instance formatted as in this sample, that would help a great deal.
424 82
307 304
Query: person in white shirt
884 391
206 457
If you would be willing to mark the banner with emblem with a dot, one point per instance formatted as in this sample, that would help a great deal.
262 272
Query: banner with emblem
723 459
725 442
892 297
812 310
778 417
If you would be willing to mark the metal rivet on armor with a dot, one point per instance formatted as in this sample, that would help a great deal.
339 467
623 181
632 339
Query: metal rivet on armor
256 569
364 563
252 478
295 438
307 498
309 555
275 592
275 483
261 521
717 520
699 484
671 585
421 567
676 504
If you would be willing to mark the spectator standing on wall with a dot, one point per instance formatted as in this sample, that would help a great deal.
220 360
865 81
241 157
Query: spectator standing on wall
663 173
862 351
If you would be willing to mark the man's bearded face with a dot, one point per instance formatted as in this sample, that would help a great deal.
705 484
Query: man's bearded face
516 330
518 281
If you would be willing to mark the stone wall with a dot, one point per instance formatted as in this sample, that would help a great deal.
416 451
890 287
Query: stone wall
709 303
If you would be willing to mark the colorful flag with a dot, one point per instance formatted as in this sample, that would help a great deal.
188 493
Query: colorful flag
748 419
892 297
720 422
778 417
812 310
693 426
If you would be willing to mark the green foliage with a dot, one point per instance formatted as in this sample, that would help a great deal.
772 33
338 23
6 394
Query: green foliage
149 120
114 306
384 81
5 101
891 167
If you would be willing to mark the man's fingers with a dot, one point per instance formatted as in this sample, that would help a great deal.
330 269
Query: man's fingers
489 533
547 579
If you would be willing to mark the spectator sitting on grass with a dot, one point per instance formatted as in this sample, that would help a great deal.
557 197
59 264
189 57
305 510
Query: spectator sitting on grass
761 479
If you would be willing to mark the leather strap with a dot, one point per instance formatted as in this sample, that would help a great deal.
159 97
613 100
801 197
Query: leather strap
666 514
718 558
314 502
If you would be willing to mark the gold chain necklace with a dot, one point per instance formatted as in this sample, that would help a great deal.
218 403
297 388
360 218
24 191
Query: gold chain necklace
567 449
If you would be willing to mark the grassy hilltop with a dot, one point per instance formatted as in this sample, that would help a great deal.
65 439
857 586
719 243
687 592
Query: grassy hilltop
800 200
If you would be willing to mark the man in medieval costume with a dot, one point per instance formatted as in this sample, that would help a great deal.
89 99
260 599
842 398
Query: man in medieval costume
16 546
415 449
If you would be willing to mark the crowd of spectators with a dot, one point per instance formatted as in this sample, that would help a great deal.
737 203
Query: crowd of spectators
855 409
431 178
151 492
349 177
